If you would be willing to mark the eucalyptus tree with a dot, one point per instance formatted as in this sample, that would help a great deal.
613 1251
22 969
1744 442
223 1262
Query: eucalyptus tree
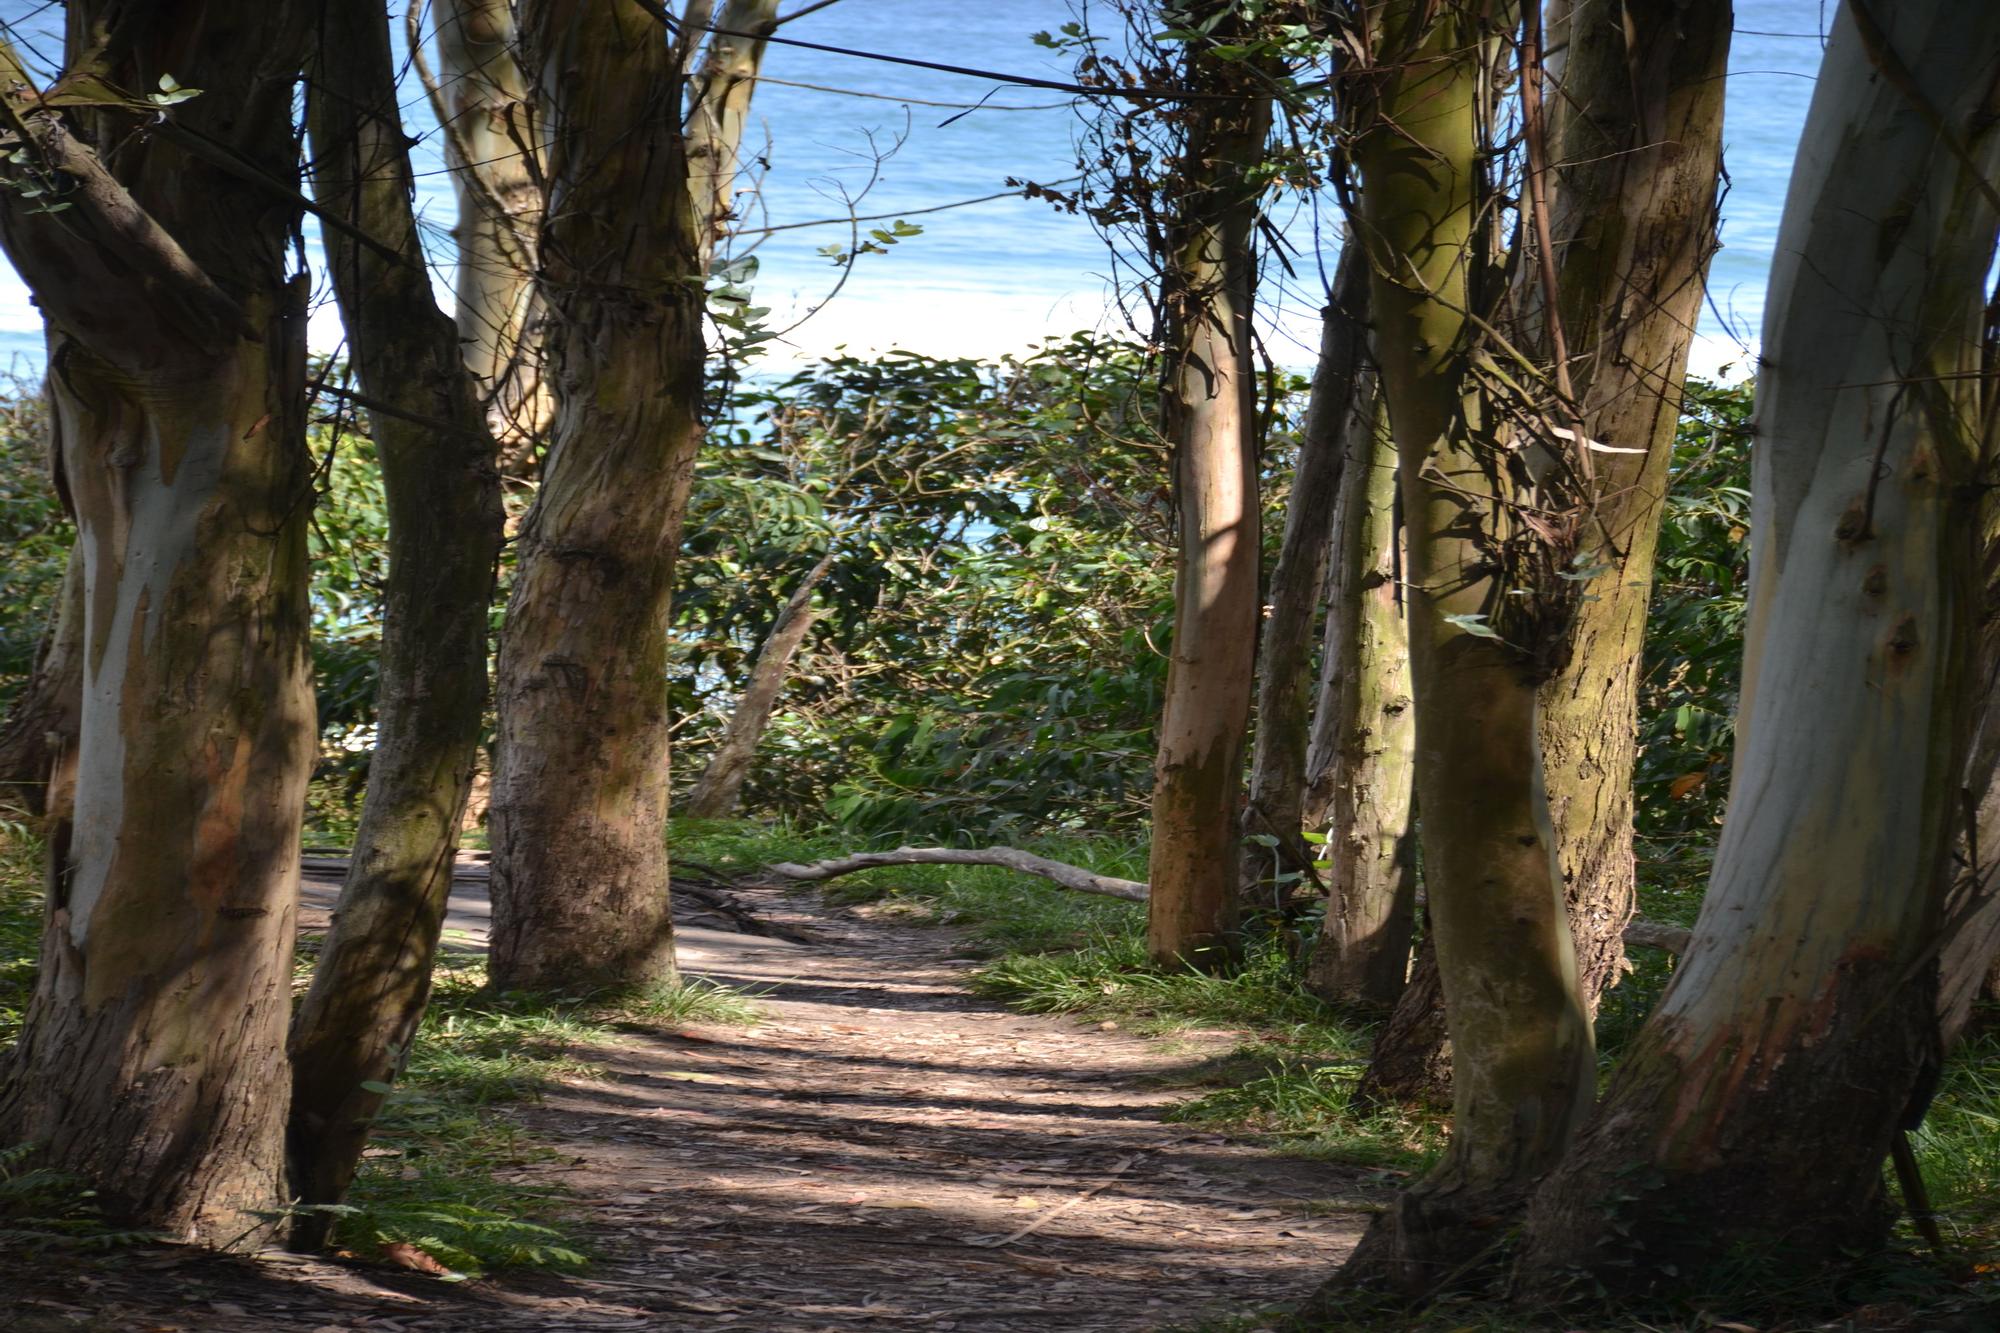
493 150
580 775
152 1061
1813 964
1617 227
1477 540
1274 813
1208 413
372 977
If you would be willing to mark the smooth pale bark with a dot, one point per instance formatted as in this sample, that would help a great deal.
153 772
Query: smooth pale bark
718 109
1812 965
1521 1039
720 785
492 139
1364 740
1208 413
152 1061
1276 806
1635 142
579 806
372 979
38 738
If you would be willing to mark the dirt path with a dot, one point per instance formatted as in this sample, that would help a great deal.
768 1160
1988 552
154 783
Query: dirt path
882 1150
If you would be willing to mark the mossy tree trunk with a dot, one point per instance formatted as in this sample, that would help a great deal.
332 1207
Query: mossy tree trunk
1812 966
1635 144
579 806
1276 805
1208 414
1364 737
152 1060
369 987
1635 122
1521 1040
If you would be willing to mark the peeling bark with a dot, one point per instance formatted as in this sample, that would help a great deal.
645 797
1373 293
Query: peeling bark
1364 738
1208 412
1812 965
372 979
1636 144
152 1060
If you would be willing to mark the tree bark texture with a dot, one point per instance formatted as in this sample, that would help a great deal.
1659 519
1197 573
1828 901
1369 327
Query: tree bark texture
38 738
152 1061
718 109
1635 139
493 138
579 808
1364 737
1523 1066
1208 412
1812 965
373 976
720 785
1276 807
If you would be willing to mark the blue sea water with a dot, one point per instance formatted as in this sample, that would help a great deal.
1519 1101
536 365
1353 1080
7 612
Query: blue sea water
993 277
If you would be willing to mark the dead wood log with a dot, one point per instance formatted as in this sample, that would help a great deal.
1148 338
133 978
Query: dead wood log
1641 934
1068 876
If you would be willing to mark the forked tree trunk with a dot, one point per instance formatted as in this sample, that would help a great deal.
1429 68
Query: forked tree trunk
720 785
38 738
1208 412
1635 143
1521 1040
152 1061
373 975
1812 967
492 139
1276 807
1635 139
1364 740
579 807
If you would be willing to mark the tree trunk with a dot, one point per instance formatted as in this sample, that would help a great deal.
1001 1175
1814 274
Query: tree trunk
492 141
721 783
1636 139
152 1060
1812 966
579 807
718 109
1208 412
373 976
1364 739
1523 1067
1276 807
38 739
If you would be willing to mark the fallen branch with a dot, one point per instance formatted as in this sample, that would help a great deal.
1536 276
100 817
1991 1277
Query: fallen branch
1642 934
1068 876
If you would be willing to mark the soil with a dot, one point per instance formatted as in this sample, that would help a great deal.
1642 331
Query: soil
881 1150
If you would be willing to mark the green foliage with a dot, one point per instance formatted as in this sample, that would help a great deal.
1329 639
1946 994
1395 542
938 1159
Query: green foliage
42 1208
34 532
20 924
982 664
